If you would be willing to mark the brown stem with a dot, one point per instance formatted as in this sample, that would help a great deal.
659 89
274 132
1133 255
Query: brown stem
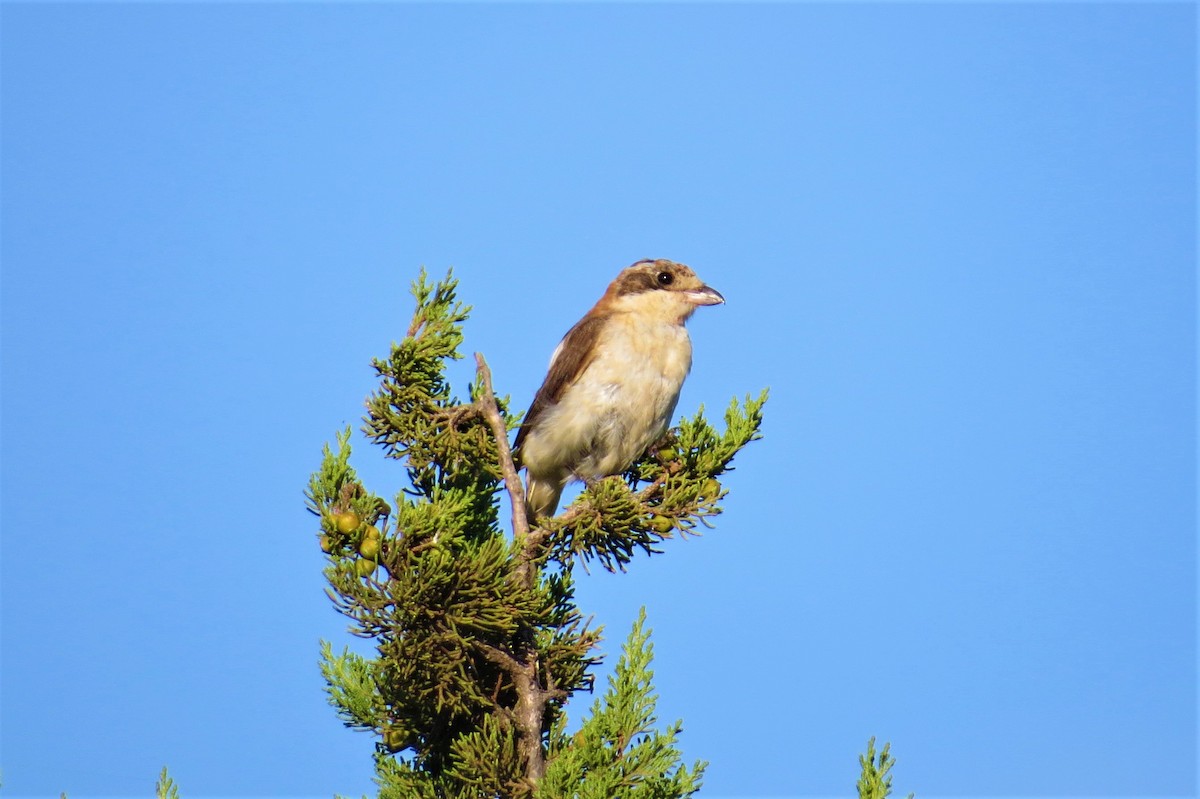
532 698
530 712
491 412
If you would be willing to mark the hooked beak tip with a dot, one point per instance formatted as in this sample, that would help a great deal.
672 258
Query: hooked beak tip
706 295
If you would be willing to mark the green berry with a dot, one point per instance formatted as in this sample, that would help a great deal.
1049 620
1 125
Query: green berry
369 548
662 524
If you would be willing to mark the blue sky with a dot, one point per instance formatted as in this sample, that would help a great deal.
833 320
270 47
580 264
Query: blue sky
957 241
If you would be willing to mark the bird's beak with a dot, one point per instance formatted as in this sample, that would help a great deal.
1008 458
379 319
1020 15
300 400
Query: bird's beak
705 295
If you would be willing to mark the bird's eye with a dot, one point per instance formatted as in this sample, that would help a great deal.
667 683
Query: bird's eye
665 278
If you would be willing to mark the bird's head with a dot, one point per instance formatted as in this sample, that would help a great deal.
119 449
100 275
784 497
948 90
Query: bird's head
658 288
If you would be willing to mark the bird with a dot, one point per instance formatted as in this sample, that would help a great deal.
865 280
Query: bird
613 382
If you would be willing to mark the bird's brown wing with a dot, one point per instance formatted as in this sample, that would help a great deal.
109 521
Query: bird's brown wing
576 351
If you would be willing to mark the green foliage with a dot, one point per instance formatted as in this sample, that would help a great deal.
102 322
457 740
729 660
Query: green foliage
478 640
617 754
165 787
673 487
413 414
875 781
350 685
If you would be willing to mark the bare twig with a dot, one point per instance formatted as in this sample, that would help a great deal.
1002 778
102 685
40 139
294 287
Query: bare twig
500 658
491 411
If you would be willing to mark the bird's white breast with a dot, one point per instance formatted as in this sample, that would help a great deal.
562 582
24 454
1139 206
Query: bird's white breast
623 400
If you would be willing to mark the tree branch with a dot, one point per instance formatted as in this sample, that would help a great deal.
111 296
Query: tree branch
512 482
579 508
530 712
500 658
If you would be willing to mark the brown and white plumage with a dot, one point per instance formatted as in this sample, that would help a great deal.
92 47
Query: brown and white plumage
613 381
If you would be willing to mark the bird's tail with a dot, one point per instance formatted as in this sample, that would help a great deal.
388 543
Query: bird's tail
541 498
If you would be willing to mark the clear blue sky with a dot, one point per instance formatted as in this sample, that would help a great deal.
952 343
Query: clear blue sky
958 242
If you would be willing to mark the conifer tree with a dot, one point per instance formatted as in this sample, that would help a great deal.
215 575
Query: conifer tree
875 778
478 640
